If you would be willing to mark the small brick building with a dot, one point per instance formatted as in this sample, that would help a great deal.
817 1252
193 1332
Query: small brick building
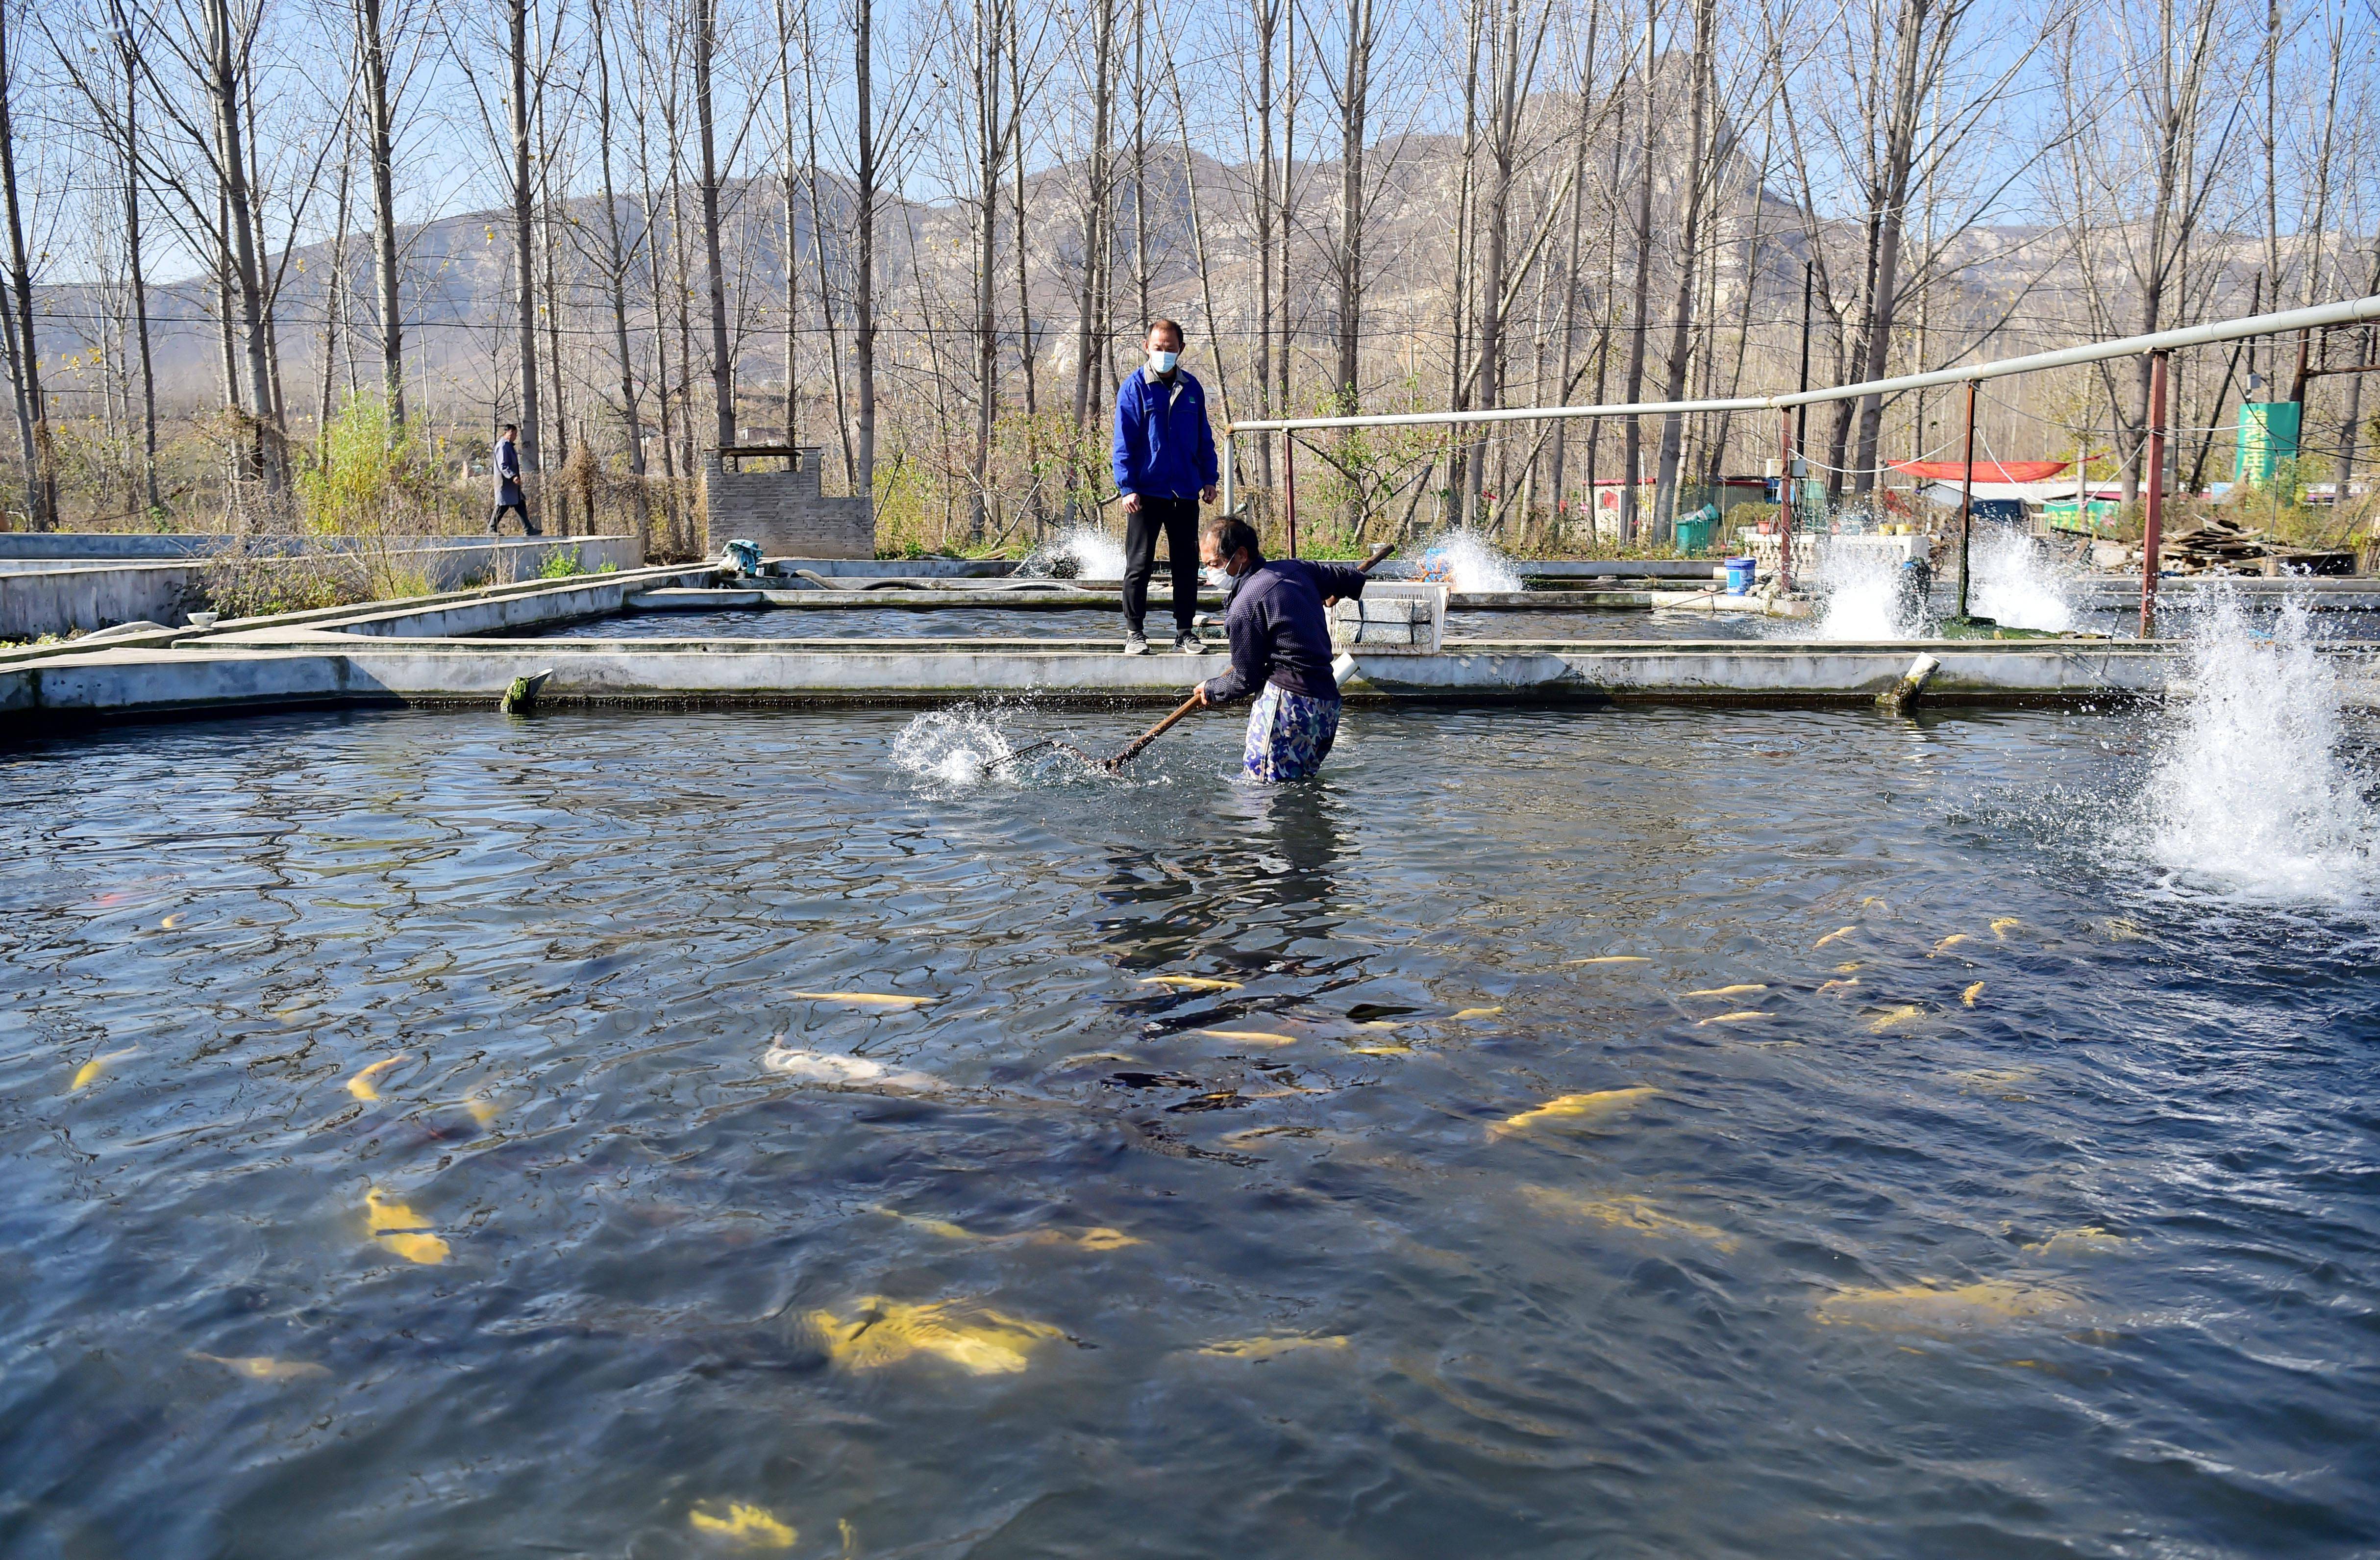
768 494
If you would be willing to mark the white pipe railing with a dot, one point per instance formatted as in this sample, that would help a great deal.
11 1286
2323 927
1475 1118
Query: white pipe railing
2350 312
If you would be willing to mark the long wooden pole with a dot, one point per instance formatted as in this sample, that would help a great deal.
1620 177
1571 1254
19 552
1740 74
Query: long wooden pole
2153 519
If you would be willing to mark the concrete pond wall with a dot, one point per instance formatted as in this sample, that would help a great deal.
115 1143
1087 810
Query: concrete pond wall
62 582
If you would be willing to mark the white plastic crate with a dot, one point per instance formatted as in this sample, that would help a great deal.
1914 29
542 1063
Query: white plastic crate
1391 618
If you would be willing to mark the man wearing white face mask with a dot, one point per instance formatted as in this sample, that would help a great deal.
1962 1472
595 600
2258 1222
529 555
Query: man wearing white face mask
1164 468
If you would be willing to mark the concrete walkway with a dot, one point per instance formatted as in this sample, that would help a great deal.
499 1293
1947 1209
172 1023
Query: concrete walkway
465 648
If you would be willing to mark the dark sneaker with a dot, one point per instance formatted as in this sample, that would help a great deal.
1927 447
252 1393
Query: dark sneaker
1136 644
1189 645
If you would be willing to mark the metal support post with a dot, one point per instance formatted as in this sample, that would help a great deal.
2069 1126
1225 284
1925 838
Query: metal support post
1289 486
1785 503
2153 519
1966 500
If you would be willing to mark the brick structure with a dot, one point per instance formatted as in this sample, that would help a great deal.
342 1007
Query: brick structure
769 494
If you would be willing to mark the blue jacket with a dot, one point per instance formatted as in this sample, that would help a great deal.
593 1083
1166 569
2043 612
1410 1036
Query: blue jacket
1163 447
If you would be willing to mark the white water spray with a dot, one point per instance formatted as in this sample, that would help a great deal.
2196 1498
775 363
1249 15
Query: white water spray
1084 553
1469 562
1861 588
2013 580
2254 795
957 747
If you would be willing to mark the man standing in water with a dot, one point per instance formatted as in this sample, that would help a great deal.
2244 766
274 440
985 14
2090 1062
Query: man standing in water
508 485
1165 468
1280 643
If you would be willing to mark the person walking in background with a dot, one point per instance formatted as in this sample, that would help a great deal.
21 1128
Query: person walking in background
508 485
1165 468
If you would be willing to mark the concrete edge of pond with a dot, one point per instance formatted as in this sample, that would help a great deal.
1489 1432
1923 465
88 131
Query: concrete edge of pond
150 683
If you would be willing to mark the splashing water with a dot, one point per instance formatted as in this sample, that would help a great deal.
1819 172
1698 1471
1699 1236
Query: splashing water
1084 553
2014 581
2252 793
1469 562
1864 598
956 747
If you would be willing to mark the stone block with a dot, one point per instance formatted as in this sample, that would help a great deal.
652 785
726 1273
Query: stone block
770 495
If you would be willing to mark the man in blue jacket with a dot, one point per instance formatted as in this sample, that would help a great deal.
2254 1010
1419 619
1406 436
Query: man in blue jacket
1165 468
1280 651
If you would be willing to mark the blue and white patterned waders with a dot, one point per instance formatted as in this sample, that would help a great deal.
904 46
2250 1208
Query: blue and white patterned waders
1289 735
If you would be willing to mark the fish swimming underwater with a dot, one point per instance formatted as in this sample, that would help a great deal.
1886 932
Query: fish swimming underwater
978 1340
1575 1107
838 1070
402 1230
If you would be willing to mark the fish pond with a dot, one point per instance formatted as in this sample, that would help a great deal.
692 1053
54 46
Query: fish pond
1642 1132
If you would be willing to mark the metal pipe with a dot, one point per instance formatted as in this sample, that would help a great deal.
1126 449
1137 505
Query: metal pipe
2152 523
2352 310
1802 418
1289 486
1225 453
1785 502
1966 499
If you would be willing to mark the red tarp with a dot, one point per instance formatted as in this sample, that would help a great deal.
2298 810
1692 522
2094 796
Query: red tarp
1986 470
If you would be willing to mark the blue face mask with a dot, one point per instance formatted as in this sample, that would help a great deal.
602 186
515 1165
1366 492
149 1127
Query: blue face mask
1163 361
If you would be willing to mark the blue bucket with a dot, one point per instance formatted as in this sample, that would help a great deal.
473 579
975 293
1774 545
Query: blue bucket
1740 575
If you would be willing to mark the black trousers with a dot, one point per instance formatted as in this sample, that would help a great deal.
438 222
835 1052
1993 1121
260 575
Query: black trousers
529 527
1178 519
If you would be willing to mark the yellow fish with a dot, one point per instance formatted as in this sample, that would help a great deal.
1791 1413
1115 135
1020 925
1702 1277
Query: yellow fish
1575 1107
1833 937
1951 942
1846 968
1745 1017
979 1341
748 1527
2078 1242
482 1111
1478 1012
263 1367
1270 1348
1726 991
401 1229
171 921
1192 982
1895 1018
1611 958
88 1074
1622 1212
2122 931
1381 1050
1998 1077
2001 927
363 1085
865 999
1099 1237
1837 985
1256 1037
1929 1308
1970 994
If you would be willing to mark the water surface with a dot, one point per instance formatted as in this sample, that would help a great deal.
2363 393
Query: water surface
1959 1182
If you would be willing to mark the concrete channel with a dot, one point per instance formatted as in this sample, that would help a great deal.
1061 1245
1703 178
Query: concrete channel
464 648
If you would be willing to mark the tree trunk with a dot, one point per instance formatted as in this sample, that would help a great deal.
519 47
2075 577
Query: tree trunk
524 195
1632 456
33 414
1681 317
723 366
864 292
615 276
372 56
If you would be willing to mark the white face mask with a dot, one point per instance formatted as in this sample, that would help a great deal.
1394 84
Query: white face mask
1217 578
1163 361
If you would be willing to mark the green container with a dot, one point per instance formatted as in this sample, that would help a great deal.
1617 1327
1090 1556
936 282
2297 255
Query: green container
1693 533
2268 435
